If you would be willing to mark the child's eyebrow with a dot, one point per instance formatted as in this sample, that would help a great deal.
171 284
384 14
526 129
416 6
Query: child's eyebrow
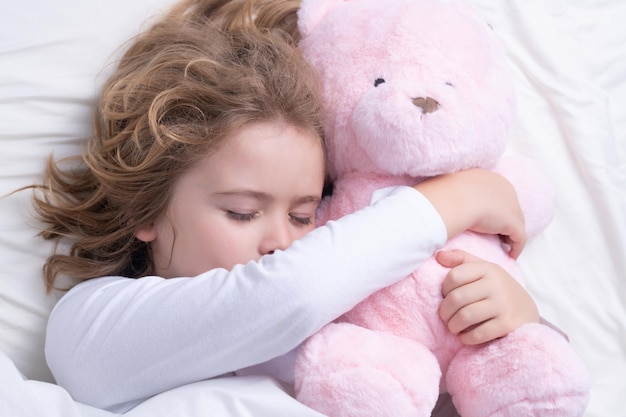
309 199
261 196
257 195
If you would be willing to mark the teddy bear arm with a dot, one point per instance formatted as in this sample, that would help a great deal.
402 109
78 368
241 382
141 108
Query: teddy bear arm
535 192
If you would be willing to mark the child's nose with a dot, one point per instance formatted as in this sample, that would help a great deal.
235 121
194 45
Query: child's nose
277 237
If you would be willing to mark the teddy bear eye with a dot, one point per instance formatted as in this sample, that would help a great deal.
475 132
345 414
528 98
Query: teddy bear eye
449 84
378 81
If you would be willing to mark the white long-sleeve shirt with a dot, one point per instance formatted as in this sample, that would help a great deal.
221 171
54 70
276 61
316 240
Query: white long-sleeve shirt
114 341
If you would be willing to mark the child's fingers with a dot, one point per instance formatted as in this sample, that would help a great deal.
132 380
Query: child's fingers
464 268
483 332
516 244
458 300
455 257
449 258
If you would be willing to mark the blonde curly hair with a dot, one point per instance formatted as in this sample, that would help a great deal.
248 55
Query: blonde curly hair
204 70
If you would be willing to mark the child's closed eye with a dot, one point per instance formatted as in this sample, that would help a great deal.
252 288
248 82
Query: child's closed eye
301 220
241 217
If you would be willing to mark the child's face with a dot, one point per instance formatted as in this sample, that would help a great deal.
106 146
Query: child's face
256 194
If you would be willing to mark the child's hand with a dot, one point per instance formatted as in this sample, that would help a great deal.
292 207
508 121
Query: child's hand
478 200
481 300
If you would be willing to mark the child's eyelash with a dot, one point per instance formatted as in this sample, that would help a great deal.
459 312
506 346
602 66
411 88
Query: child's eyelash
242 217
305 221
246 217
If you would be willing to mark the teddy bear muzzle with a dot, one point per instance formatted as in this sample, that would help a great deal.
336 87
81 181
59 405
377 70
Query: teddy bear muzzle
427 104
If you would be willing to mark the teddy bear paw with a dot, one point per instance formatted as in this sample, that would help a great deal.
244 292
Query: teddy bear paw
351 393
349 371
533 371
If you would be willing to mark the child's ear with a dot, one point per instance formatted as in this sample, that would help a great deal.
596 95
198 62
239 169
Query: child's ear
146 233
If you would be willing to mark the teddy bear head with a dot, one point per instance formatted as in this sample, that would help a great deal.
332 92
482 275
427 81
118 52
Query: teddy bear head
410 87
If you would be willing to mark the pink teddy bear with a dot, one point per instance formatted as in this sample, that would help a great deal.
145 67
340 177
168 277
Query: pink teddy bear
412 89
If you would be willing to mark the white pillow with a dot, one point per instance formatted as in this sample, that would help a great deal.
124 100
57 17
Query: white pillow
53 59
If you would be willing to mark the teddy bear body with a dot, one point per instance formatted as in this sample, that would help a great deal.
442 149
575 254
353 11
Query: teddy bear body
413 89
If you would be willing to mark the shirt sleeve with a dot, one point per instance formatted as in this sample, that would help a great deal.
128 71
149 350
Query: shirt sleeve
113 341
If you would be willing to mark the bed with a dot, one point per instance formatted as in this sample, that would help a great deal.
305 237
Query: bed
569 63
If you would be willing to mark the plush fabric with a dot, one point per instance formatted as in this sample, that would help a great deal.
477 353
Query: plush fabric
412 89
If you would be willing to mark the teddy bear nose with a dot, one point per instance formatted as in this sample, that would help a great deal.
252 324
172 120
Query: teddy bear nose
427 104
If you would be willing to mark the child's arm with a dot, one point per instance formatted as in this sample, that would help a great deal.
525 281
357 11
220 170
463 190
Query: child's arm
481 300
478 200
114 341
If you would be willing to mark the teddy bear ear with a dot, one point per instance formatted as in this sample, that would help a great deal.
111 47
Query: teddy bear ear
312 12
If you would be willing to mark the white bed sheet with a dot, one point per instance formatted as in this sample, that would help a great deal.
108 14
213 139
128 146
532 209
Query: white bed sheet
250 396
570 64
569 61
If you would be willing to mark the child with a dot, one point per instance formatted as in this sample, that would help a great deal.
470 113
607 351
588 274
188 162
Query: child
191 218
